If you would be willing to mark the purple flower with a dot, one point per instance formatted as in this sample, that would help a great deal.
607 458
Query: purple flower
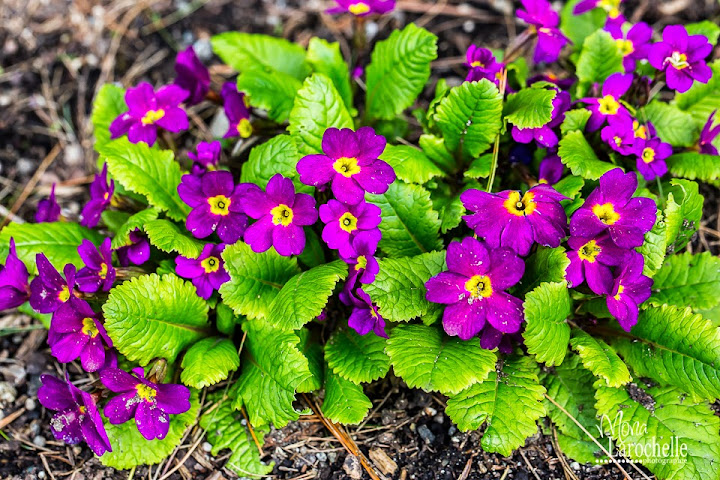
98 271
192 76
635 45
682 56
630 289
14 288
611 208
48 291
619 135
236 110
280 213
507 219
591 259
148 110
492 338
350 164
363 264
551 170
138 252
206 158
362 8
474 287
78 417
708 135
150 403
482 64
651 155
358 72
544 20
641 131
614 25
345 222
365 316
101 193
545 136
48 209
207 272
612 7
76 331
217 205
608 106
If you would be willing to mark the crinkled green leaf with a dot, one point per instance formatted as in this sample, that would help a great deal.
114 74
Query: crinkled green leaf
546 331
688 280
108 105
575 120
702 98
577 154
545 265
450 210
530 107
270 90
655 246
600 58
694 165
246 51
277 155
136 221
345 401
600 359
683 211
225 319
325 57
410 164
209 361
480 167
672 124
357 358
168 237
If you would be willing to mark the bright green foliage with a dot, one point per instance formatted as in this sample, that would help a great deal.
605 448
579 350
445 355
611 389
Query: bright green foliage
399 288
245 51
255 279
546 331
702 98
130 449
676 347
108 105
168 237
136 221
57 240
225 319
277 155
480 167
270 90
318 106
325 57
578 27
655 246
153 316
672 124
410 164
509 401
209 361
409 224
672 418
469 117
575 120
434 147
570 186
357 358
600 359
688 280
398 71
600 58
313 351
545 265
345 401
272 369
708 29
423 356
577 154
694 165
149 172
305 295
530 107
683 212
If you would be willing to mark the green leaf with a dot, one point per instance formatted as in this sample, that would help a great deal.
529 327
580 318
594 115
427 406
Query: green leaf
136 221
108 105
409 224
672 124
578 27
683 212
57 240
168 237
277 155
577 154
470 117
153 316
318 106
208 362
225 319
246 51
508 401
399 288
545 265
480 167
600 359
423 356
149 172
305 295
130 449
570 186
702 98
654 247
410 164
313 351
398 71
270 90
530 107
688 280
434 147
255 279
325 57
345 401
114 219
694 165
357 358
575 120
706 28
600 58
546 331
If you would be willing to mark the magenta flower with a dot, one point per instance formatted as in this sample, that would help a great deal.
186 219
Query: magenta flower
345 222
77 332
682 56
362 8
610 207
48 209
612 7
630 289
358 72
614 25
206 157
708 135
634 45
217 205
474 287
507 219
150 403
545 136
492 338
138 252
608 106
543 20
363 264
192 76
148 110
643 131
482 64
591 260
49 291
365 316
551 170
236 110
651 155
207 272
14 287
101 193
350 164
280 213
619 135
98 271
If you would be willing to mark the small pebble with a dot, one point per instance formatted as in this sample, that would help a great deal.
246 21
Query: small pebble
321 456
352 467
575 466
39 441
430 412
332 456
41 475
206 447
8 394
30 405
469 26
439 419
426 434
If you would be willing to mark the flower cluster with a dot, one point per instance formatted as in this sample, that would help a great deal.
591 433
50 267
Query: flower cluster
482 64
543 21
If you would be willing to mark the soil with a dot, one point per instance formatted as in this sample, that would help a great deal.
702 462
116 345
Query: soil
53 56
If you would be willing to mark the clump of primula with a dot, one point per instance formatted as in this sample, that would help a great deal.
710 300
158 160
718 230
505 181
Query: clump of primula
207 272
682 57
608 105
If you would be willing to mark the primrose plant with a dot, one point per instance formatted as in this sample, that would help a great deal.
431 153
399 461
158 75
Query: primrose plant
519 244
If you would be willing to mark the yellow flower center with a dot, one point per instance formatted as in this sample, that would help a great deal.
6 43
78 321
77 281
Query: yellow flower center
607 105
520 206
639 130
210 264
64 294
477 63
589 251
612 7
678 60
219 205
479 286
648 155
626 47
346 166
103 270
606 213
618 140
153 116
244 128
145 393
359 8
82 409
89 328
362 263
106 195
348 222
621 289
282 215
